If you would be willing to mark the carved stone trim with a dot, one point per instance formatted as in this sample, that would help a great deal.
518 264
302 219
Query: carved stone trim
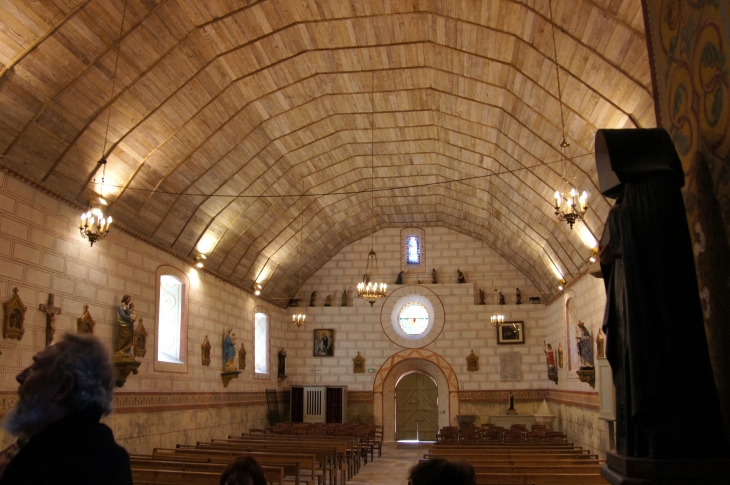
14 322
85 323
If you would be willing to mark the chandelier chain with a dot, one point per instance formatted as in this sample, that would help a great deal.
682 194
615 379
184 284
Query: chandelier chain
114 80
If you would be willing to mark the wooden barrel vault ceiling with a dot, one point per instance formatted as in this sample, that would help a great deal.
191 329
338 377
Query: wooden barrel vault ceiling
229 118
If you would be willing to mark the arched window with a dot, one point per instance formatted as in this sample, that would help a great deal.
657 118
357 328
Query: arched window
261 343
413 250
171 322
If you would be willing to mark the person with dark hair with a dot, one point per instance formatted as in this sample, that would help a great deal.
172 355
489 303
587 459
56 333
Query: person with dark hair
244 470
61 399
440 471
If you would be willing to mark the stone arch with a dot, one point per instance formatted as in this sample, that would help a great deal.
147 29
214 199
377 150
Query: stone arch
407 361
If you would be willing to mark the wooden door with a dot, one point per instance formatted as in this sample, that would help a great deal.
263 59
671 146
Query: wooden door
416 408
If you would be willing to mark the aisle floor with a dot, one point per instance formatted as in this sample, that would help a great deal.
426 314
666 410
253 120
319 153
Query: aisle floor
391 468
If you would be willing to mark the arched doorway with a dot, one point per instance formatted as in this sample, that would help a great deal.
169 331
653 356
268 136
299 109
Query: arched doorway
416 407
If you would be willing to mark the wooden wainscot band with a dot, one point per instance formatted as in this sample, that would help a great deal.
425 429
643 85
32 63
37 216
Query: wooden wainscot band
472 362
14 323
358 364
140 340
85 323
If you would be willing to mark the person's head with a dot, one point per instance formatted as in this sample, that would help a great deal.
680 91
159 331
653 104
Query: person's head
126 299
440 471
70 376
244 470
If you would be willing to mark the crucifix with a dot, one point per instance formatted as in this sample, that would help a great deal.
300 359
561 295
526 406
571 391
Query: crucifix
314 374
51 312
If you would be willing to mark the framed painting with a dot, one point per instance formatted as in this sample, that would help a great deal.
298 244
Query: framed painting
511 333
324 342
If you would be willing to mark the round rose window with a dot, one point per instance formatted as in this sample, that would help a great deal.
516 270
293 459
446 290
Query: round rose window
413 318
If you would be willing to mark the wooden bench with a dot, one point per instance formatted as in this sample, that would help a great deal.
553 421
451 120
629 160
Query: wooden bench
539 479
149 476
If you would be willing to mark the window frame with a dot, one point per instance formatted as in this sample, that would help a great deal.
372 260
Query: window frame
419 234
162 366
264 311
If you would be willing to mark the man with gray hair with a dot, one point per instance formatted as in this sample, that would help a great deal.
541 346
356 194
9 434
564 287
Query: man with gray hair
61 399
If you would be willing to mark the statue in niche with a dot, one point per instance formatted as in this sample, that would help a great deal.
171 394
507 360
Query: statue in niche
328 300
460 278
85 324
399 279
550 357
472 362
560 355
282 364
666 407
312 297
518 297
344 298
205 352
434 279
358 364
501 298
242 357
13 325
511 401
229 350
125 326
585 346
140 339
600 344
481 297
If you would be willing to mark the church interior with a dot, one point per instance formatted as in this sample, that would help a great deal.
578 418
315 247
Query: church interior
248 157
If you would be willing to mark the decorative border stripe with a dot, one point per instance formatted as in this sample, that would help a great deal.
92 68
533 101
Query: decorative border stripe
360 396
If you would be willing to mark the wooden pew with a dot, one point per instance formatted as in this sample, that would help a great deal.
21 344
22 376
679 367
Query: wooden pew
149 476
539 479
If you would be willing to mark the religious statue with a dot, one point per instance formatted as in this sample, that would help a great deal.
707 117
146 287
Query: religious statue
358 364
501 298
51 312
511 401
481 297
140 339
14 312
518 297
600 344
666 399
434 280
242 357
125 326
399 279
550 357
344 297
282 364
328 300
560 355
229 349
312 297
460 277
205 352
585 346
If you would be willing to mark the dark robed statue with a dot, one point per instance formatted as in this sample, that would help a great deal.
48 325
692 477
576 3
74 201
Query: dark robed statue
666 400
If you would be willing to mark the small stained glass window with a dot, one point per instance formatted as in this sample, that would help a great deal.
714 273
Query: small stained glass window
413 250
413 318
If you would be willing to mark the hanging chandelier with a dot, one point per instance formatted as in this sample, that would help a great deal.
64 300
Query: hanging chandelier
298 317
94 226
497 320
371 288
575 206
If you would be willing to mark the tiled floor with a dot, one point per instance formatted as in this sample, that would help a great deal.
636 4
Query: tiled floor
391 468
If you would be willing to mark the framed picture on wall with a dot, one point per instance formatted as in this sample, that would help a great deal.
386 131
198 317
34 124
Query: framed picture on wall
324 342
511 333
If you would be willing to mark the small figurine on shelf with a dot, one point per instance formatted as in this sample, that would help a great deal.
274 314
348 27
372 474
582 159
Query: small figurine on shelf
481 297
434 280
399 280
344 297
518 297
312 297
460 278
328 300
600 344
501 298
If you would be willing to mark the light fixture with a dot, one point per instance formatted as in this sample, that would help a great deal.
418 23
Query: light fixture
370 288
496 320
575 205
199 260
256 289
594 256
299 316
562 284
94 226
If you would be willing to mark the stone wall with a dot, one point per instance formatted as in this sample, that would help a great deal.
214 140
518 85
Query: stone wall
41 252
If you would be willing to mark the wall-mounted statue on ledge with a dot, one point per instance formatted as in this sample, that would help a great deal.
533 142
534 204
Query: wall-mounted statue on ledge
242 357
312 297
85 324
51 312
125 326
229 358
518 296
600 344
482 297
344 297
666 407
434 279
14 322
328 300
205 352
550 358
460 278
140 339
399 279
501 298
281 369
585 346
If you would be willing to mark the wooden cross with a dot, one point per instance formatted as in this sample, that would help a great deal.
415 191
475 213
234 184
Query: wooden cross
51 312
314 371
